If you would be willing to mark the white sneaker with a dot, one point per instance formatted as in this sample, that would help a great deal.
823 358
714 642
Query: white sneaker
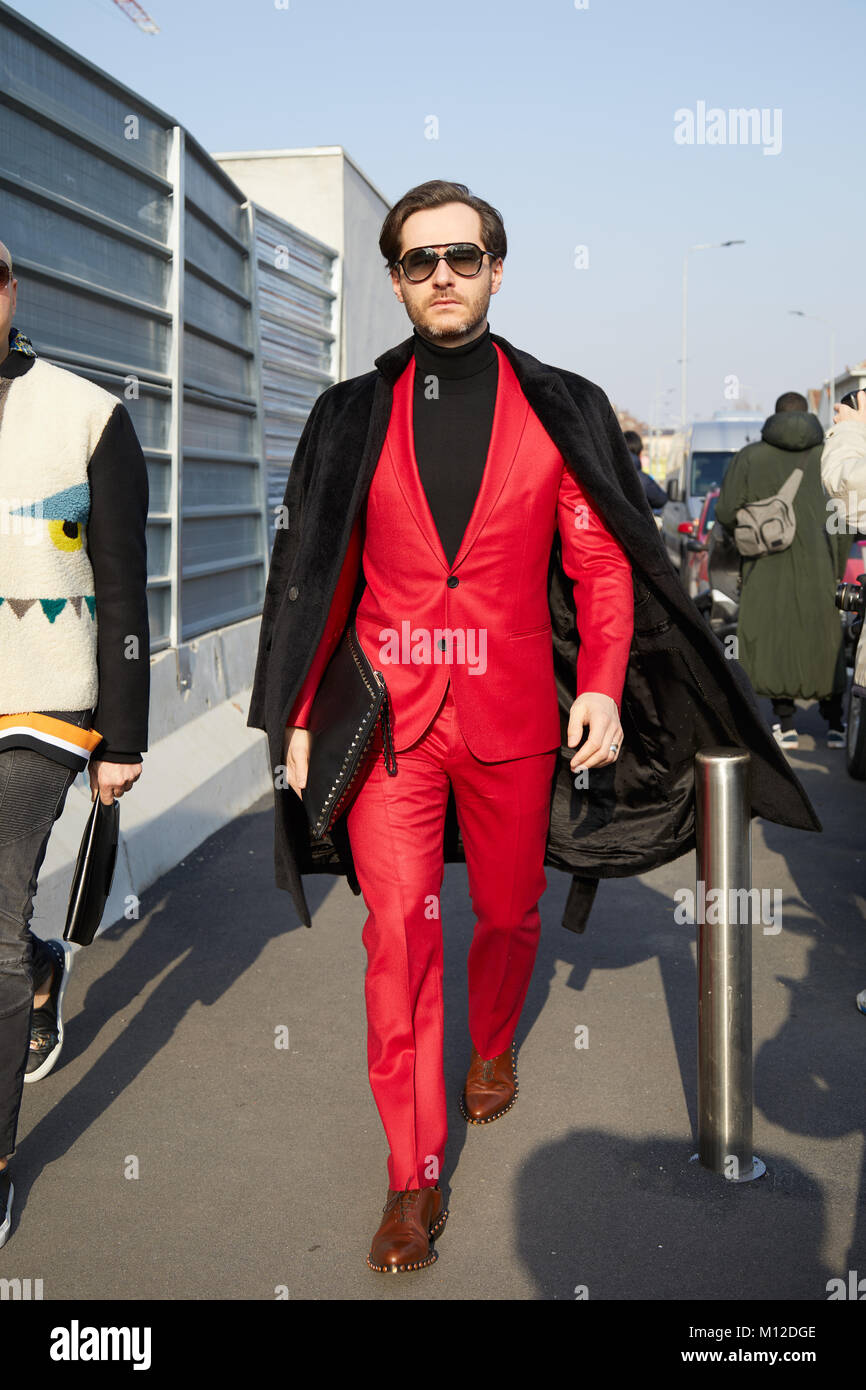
788 739
861 1001
46 1023
6 1194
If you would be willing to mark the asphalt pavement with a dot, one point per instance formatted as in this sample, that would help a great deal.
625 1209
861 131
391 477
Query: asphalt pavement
178 1152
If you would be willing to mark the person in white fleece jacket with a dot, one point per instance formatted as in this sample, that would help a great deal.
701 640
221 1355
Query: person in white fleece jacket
843 473
74 663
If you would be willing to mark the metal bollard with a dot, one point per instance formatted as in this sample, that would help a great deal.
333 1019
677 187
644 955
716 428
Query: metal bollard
724 861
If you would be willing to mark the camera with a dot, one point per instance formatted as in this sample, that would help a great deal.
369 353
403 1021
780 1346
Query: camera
851 598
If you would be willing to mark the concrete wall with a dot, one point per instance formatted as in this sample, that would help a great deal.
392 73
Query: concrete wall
303 186
374 319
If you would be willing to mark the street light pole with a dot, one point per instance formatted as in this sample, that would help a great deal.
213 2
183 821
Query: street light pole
832 391
683 374
704 246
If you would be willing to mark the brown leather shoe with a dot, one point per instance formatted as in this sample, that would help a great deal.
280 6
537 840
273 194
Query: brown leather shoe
491 1087
412 1220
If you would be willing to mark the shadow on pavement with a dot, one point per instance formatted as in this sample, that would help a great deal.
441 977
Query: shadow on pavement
604 1217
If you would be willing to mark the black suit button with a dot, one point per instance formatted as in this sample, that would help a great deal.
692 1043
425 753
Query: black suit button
293 592
442 644
452 581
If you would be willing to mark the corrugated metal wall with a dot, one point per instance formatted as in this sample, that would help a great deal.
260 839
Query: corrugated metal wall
132 251
223 524
298 310
86 212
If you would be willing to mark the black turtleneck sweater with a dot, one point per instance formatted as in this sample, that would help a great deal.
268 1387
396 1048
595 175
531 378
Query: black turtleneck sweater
453 403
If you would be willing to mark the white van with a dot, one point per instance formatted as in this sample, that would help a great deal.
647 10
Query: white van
697 465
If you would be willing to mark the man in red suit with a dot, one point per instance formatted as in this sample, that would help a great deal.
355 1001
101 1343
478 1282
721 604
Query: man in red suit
454 541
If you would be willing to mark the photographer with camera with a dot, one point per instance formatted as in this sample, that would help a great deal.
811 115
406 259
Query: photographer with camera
843 473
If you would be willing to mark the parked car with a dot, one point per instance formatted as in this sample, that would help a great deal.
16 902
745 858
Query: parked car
697 466
694 570
711 569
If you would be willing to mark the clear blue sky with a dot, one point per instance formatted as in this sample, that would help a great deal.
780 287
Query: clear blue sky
563 118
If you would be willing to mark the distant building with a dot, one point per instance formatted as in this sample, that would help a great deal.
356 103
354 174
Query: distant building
323 191
627 421
658 448
656 443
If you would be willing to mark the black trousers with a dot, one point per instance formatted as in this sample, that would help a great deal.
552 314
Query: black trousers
830 707
33 791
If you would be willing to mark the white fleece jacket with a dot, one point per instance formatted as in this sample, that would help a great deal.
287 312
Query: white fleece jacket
843 473
51 424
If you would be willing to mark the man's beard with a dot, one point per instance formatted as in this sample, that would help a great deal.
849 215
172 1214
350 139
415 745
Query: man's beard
424 320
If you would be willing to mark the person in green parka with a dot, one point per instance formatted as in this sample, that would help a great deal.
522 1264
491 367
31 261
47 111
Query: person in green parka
789 628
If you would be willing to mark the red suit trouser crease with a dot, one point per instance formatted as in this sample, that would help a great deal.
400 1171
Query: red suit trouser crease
396 831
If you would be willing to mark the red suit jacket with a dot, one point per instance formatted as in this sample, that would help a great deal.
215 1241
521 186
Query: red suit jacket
484 620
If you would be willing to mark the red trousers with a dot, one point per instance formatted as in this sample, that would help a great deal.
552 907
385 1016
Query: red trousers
395 828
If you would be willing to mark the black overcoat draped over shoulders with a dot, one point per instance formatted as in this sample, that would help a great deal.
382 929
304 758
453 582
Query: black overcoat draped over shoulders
681 692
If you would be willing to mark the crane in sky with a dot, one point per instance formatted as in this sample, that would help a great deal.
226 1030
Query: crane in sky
133 11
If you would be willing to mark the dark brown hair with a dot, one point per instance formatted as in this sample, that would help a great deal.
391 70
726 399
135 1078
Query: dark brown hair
434 194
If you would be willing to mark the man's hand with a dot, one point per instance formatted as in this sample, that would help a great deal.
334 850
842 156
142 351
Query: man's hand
844 412
110 779
601 714
296 756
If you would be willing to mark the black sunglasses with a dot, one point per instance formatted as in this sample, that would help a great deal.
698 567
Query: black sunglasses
5 275
464 258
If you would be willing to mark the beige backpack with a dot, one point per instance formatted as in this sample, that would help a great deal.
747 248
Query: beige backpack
769 525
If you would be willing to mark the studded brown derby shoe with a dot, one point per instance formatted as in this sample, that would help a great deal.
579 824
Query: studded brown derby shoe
412 1220
491 1087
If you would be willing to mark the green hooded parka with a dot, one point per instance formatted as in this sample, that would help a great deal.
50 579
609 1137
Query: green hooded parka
789 631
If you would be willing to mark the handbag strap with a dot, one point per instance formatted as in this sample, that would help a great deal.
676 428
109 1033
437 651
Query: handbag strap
788 490
361 660
387 740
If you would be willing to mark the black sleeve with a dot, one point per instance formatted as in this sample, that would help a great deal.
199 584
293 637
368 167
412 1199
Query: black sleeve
656 496
283 553
117 546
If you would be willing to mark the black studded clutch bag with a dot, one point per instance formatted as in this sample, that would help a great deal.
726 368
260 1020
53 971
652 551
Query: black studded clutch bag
94 871
351 698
